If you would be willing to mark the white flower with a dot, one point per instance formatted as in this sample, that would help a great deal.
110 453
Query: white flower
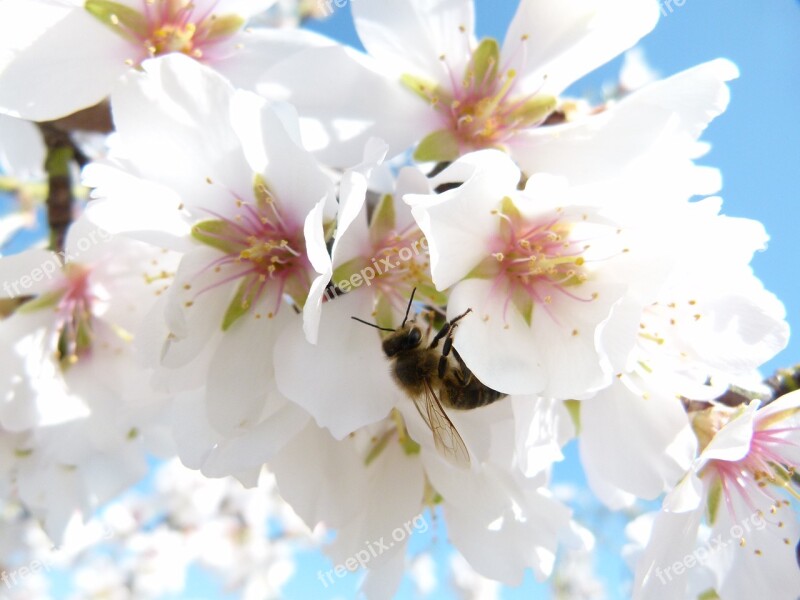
57 57
374 268
541 270
69 380
711 323
739 481
426 69
374 486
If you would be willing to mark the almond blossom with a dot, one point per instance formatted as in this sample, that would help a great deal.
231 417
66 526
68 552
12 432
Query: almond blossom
69 383
248 216
541 269
57 57
446 90
741 481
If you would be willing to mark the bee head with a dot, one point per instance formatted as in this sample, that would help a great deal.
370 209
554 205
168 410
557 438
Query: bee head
408 337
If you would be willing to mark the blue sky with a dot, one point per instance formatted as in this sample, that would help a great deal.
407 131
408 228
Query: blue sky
755 144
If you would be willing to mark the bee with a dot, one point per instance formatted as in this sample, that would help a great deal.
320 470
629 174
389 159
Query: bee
435 379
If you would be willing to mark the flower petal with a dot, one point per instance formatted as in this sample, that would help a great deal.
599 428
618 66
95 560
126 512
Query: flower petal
554 43
55 59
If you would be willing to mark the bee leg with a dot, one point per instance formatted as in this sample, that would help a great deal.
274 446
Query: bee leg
448 327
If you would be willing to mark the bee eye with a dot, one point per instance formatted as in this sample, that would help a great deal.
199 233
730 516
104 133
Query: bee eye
414 336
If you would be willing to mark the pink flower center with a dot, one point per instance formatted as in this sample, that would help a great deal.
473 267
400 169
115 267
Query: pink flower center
536 263
261 249
766 470
164 26
74 315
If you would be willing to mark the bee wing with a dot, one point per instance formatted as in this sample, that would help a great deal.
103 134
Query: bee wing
445 435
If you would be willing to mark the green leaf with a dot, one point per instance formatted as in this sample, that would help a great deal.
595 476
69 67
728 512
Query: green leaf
114 15
484 62
439 146
217 234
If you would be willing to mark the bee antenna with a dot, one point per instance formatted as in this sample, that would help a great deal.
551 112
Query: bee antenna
371 324
408 309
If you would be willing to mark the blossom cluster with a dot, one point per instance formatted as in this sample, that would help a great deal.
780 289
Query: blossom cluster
528 268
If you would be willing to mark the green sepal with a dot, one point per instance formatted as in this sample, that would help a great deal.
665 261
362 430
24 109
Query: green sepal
383 219
210 232
239 305
423 88
439 146
524 304
712 503
509 209
384 313
295 289
709 594
347 270
46 300
484 62
261 191
534 111
574 409
114 14
486 269
224 25
409 446
378 447
427 290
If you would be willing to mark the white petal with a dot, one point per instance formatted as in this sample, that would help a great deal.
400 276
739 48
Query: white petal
543 427
29 273
337 124
250 449
22 149
655 124
145 210
320 260
411 36
346 353
58 61
259 49
642 446
172 123
329 488
732 442
459 222
674 536
506 359
240 373
557 43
